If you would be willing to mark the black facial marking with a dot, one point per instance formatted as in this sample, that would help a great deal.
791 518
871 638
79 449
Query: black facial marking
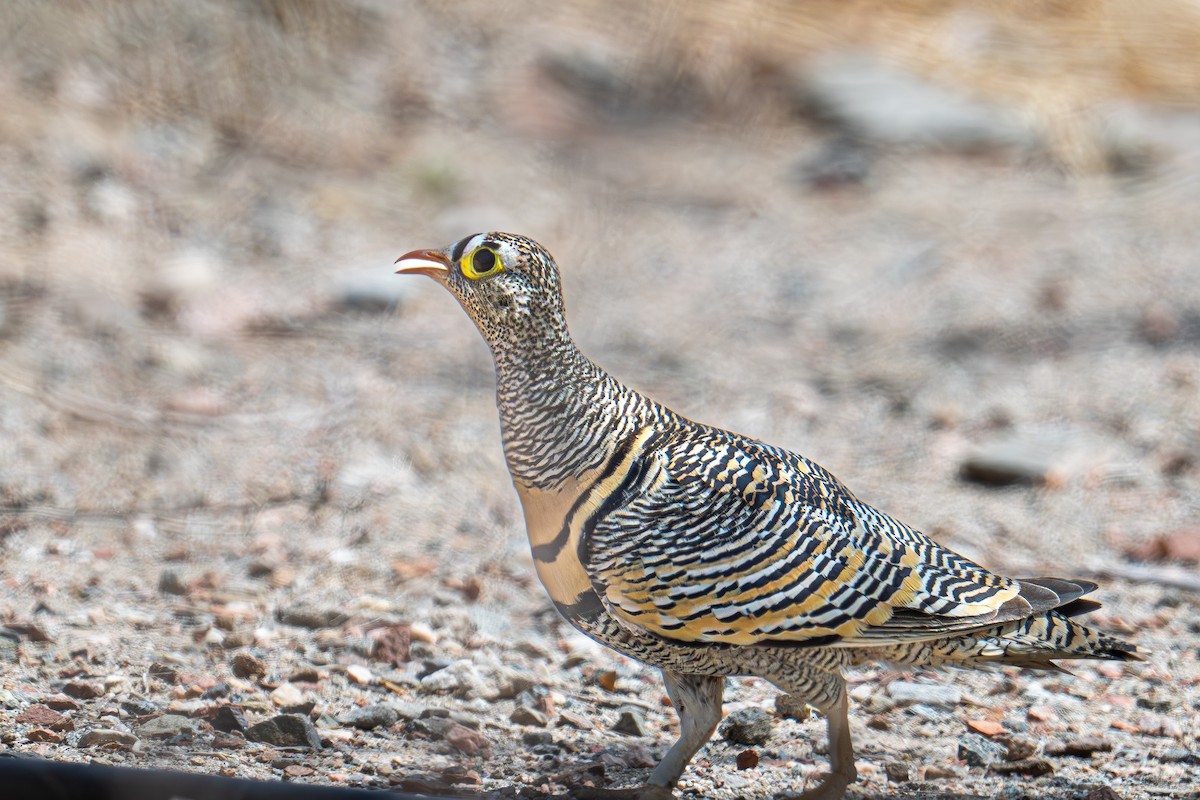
457 252
484 260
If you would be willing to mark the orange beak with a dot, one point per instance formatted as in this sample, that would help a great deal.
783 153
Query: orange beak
424 262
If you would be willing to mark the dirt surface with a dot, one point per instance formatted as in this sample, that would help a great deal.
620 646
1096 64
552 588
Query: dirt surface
246 472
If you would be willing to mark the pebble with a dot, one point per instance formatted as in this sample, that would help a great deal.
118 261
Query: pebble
82 690
927 693
229 719
1029 767
1081 747
140 708
630 721
98 737
165 727
986 727
789 706
371 717
287 695
575 720
245 665
1017 747
359 674
468 741
311 617
286 730
534 738
169 582
43 735
42 716
747 759
898 771
1031 456
748 726
524 715
978 751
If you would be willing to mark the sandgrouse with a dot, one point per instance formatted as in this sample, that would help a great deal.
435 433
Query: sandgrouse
708 554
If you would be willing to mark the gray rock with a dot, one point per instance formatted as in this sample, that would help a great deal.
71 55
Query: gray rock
928 693
876 102
139 708
979 751
371 717
375 290
1029 456
229 719
409 711
286 730
524 715
102 736
537 738
630 721
749 726
165 727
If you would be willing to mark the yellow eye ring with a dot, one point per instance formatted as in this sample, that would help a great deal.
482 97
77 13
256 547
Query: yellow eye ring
482 262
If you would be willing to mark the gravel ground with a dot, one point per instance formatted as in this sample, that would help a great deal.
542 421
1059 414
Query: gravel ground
254 516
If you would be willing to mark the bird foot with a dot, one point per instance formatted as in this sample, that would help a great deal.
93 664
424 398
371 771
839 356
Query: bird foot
832 788
648 792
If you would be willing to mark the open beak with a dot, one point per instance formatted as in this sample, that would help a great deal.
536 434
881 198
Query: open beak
424 262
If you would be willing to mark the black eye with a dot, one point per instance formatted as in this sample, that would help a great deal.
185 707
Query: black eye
483 261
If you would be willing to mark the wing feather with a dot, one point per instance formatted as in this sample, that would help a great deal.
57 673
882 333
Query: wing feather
731 541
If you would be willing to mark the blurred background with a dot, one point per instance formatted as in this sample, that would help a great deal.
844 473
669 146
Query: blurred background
949 250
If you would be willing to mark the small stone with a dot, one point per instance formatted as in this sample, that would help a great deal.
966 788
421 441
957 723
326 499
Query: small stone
286 695
298 771
524 715
165 727
927 693
310 617
140 708
228 741
747 759
748 726
43 735
880 722
630 721
534 738
898 771
60 702
789 706
986 727
41 715
229 719
1102 793
286 730
607 679
370 717
169 582
81 690
575 720
1180 755
1029 767
1017 747
100 737
468 741
980 752
359 674
935 772
1080 747
392 644
1032 456
245 665
1040 713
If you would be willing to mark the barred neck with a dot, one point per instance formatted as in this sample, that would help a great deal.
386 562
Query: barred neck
560 414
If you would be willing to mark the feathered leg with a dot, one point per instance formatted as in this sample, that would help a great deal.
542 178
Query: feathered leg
697 700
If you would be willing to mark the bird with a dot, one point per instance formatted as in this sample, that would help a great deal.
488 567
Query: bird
708 554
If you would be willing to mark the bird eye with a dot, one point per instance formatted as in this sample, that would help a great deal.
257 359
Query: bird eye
482 262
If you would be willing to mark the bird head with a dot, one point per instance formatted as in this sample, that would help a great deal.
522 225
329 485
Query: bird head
508 284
